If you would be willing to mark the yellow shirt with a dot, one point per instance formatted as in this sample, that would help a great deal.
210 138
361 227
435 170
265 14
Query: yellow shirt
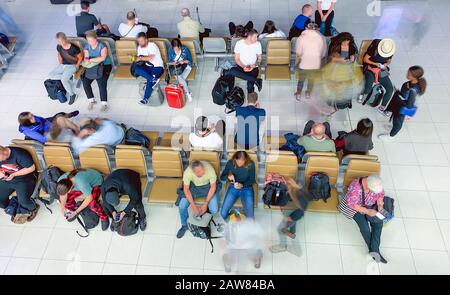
209 177
189 28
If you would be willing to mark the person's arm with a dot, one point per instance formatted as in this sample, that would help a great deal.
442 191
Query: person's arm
79 59
299 49
102 57
189 197
330 10
188 56
353 197
259 59
319 9
96 22
35 135
380 203
251 175
237 59
411 99
211 192
21 172
60 61
135 195
201 29
83 205
225 172
62 202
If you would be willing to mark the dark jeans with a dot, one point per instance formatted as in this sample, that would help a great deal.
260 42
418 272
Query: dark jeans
397 124
310 124
250 77
385 81
24 189
151 74
370 231
306 75
328 21
102 84
139 207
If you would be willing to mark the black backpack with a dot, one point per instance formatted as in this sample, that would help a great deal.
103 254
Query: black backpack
222 87
319 187
48 182
203 232
55 90
275 194
375 96
234 99
127 226
136 137
88 219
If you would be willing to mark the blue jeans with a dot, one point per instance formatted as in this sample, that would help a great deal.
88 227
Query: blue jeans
213 207
151 74
247 197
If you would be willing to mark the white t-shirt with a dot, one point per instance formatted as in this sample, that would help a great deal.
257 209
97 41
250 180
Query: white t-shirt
248 53
131 32
151 49
326 4
276 34
212 141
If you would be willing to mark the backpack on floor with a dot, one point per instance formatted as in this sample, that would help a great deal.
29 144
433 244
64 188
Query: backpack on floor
222 87
375 96
275 191
88 219
136 137
234 99
55 90
127 226
201 227
319 187
48 181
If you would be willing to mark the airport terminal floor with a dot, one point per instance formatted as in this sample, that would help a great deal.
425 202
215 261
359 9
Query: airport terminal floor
415 164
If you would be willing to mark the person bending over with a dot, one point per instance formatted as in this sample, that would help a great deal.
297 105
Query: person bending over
86 21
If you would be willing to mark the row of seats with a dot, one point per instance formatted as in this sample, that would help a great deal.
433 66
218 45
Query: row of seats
279 54
161 167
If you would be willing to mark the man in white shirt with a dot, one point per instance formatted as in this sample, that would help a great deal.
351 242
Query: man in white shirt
189 28
207 136
153 67
131 28
325 13
247 55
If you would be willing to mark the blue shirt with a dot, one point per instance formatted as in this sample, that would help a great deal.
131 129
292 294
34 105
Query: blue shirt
301 21
249 119
38 130
109 133
97 52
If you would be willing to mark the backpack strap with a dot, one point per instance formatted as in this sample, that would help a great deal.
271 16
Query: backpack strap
84 227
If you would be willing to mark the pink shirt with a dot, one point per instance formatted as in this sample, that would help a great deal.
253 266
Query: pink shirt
311 48
354 195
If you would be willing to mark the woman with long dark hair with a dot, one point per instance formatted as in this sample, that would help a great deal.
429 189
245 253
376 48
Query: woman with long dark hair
270 31
359 141
342 48
403 103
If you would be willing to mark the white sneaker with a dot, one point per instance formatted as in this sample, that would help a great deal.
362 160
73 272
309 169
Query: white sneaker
189 96
385 137
360 98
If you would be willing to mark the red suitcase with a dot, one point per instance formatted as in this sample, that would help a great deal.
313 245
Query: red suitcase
175 96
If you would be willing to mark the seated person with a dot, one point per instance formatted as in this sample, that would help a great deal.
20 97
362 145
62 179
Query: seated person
359 141
241 173
69 60
43 129
199 181
153 67
342 48
325 14
131 29
378 56
86 22
249 119
239 30
189 28
288 225
123 182
206 135
317 137
18 174
98 131
247 55
84 183
181 59
301 21
270 31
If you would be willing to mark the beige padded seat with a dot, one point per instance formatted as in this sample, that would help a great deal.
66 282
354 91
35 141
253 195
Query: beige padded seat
133 158
358 168
328 165
274 142
176 140
278 59
362 50
59 155
154 138
168 173
125 50
254 158
96 158
189 43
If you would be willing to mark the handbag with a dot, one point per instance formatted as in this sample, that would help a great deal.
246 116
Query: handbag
388 207
410 112
95 72
177 70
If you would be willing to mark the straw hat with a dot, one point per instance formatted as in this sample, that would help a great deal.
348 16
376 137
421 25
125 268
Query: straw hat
386 47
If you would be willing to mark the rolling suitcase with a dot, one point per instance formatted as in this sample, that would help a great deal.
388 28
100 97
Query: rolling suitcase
175 93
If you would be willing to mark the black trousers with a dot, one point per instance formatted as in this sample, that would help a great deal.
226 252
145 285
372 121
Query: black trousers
139 207
24 189
309 125
102 84
328 21
251 77
371 232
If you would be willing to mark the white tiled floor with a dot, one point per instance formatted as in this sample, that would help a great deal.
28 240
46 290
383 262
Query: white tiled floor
415 167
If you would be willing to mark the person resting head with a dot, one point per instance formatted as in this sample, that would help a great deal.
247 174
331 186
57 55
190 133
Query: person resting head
318 131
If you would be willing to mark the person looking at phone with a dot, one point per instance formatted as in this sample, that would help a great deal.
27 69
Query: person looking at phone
241 173
86 21
199 181
131 28
365 199
207 135
180 59
247 55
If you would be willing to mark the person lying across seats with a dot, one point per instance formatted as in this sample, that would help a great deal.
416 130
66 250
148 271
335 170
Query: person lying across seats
84 183
98 131
18 174
119 183
199 181
86 21
317 137
57 128
207 135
